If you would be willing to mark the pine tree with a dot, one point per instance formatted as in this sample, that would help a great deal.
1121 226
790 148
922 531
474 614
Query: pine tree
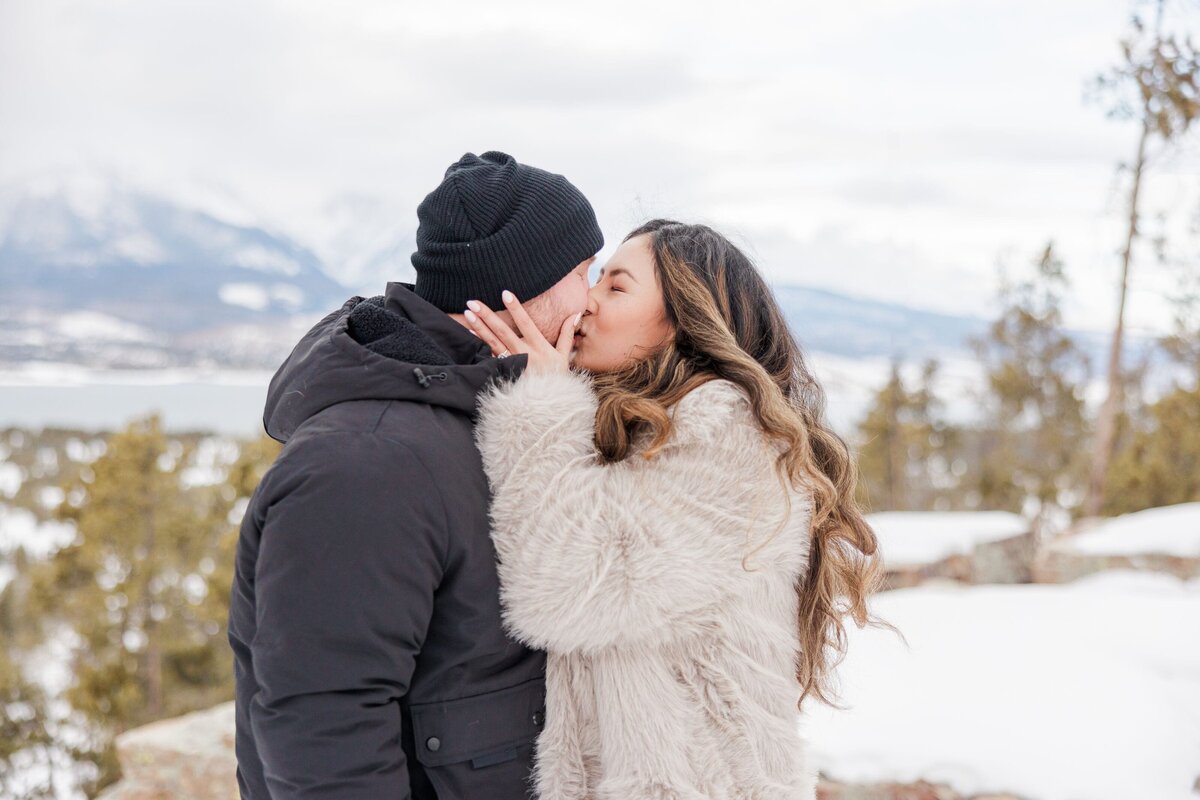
132 587
26 746
1161 74
1160 462
903 461
881 456
1035 429
936 447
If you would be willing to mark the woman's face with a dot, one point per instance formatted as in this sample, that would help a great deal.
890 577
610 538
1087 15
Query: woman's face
625 319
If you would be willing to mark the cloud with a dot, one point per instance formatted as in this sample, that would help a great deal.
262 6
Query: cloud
514 72
849 138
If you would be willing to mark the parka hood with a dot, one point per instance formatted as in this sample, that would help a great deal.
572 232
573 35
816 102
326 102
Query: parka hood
392 347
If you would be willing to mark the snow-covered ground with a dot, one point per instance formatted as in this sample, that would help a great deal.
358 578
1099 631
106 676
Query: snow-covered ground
1081 691
912 538
1170 530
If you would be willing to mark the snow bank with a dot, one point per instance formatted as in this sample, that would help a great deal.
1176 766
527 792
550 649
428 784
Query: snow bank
911 538
1170 530
1051 692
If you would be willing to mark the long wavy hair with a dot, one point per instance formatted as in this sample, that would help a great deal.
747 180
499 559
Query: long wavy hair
728 325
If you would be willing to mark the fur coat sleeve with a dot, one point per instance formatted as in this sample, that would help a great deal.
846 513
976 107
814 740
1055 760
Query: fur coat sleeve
593 555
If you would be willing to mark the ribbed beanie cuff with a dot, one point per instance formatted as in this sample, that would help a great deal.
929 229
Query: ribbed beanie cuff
494 224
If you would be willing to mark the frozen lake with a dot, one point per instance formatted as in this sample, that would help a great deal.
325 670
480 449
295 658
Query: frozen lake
229 403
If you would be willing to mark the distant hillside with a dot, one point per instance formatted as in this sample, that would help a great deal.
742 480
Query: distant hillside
857 327
149 261
109 276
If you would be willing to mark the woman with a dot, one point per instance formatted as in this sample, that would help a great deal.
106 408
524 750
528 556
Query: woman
674 522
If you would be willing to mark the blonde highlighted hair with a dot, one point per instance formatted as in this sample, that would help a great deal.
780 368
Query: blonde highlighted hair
728 325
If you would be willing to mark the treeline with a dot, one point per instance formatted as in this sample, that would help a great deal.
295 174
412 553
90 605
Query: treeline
126 624
134 609
1029 447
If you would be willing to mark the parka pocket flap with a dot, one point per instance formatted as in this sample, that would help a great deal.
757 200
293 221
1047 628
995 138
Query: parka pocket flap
481 728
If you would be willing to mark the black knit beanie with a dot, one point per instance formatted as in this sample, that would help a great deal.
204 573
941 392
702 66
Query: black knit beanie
494 224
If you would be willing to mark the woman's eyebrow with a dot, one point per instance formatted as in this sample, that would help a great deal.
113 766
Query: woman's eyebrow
619 271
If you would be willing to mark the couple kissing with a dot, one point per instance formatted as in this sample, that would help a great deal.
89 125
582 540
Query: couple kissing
530 536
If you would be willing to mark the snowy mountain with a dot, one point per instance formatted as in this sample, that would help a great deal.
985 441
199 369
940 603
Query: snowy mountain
96 272
854 327
144 259
364 241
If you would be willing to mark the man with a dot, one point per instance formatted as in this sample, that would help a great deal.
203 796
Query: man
365 619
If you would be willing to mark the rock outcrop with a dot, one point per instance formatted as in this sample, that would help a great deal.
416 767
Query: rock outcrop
189 757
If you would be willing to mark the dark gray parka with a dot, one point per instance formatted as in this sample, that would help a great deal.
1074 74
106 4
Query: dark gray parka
364 618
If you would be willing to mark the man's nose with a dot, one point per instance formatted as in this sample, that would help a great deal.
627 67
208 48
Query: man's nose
592 302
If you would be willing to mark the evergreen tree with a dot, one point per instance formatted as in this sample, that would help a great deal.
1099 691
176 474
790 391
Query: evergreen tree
1157 84
1033 440
131 587
1159 464
904 461
881 456
26 746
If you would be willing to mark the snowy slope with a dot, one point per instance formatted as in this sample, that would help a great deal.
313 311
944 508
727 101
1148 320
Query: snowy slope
911 538
1172 530
101 246
1082 691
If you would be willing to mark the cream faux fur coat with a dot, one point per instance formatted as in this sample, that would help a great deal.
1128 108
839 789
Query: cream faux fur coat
663 590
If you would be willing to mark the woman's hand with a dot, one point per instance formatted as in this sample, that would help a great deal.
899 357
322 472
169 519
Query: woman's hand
496 334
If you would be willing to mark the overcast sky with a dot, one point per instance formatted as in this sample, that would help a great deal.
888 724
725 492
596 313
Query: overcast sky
894 149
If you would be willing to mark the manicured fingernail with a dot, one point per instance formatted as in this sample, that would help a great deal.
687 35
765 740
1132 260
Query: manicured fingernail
508 296
473 305
578 318
470 315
